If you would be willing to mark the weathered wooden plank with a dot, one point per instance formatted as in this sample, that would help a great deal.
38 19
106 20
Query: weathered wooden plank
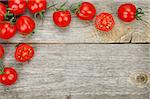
85 32
142 96
79 69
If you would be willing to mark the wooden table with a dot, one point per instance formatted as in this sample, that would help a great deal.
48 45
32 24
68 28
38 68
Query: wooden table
80 62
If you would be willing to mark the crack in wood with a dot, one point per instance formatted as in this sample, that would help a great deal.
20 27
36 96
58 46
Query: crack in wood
69 97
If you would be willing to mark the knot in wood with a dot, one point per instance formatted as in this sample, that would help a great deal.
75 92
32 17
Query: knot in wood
141 78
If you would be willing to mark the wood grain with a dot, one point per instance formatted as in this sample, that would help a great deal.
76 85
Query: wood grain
85 32
142 96
73 63
79 69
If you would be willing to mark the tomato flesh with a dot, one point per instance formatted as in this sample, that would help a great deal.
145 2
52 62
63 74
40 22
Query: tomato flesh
9 76
24 52
104 22
2 11
86 11
7 30
17 6
25 25
127 12
62 18
35 6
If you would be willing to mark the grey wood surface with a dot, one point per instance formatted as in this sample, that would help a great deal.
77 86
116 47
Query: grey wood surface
74 63
85 32
79 69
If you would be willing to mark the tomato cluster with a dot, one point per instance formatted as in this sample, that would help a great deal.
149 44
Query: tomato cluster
12 21
23 53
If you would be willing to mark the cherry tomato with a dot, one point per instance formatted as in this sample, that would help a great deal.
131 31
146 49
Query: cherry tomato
17 6
24 52
2 11
104 22
127 12
7 30
62 18
1 52
9 76
25 25
36 6
86 11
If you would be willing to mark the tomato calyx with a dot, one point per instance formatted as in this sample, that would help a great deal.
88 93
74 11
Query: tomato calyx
1 70
74 8
41 13
12 20
1 67
139 13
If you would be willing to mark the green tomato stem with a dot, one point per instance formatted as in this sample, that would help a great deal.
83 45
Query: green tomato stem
139 14
74 8
62 6
1 67
50 6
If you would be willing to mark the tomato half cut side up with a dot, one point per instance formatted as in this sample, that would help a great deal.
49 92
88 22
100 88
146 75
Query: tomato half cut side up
24 52
104 22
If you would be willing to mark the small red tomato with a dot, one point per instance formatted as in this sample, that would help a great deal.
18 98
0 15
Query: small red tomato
24 52
17 6
86 11
104 22
9 76
7 30
36 6
25 25
62 18
2 11
1 51
127 12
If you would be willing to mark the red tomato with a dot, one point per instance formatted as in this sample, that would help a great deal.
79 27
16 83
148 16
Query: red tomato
127 12
2 11
1 52
62 18
36 6
25 25
7 30
86 11
104 22
9 76
17 6
24 52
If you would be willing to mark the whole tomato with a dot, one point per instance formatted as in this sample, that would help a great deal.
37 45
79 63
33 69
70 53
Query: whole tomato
25 25
84 11
128 12
104 22
7 30
17 6
62 18
1 51
2 11
37 6
24 52
8 76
